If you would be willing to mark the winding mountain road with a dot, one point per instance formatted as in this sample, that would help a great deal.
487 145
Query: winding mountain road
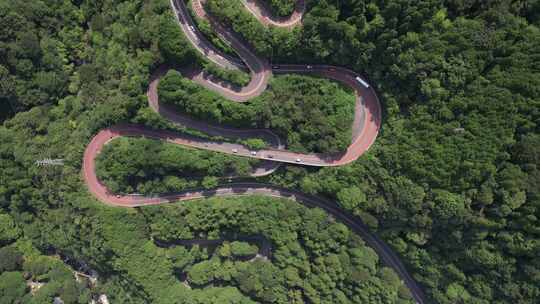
366 124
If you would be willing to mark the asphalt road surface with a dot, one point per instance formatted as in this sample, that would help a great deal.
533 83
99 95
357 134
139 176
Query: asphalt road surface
366 124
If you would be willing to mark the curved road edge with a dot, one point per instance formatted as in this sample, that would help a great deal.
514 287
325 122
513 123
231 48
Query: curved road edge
100 191
367 115
262 12
386 254
367 105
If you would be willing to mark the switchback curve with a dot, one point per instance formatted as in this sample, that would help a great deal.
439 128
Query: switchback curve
365 129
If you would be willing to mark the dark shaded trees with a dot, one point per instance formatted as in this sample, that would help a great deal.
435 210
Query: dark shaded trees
312 256
12 287
10 259
281 7
137 165
451 183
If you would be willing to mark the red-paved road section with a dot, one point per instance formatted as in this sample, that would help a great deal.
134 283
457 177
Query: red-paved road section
367 116
263 13
366 124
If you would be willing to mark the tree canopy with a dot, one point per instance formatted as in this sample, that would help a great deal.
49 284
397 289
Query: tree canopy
451 183
311 114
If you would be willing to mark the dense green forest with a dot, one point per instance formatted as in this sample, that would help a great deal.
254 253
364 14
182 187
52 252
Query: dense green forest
453 180
138 165
37 279
451 183
313 257
310 114
112 47
281 7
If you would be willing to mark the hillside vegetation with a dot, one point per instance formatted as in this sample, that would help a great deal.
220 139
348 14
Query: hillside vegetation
145 166
451 183
107 51
311 114
282 8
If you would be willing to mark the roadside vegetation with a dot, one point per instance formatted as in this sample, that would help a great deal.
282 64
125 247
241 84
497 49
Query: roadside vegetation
311 114
233 14
451 183
235 77
312 255
203 25
147 166
281 8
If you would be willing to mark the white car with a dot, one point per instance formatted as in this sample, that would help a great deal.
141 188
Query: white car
192 28
276 67
118 196
235 150
298 160
309 67
253 153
